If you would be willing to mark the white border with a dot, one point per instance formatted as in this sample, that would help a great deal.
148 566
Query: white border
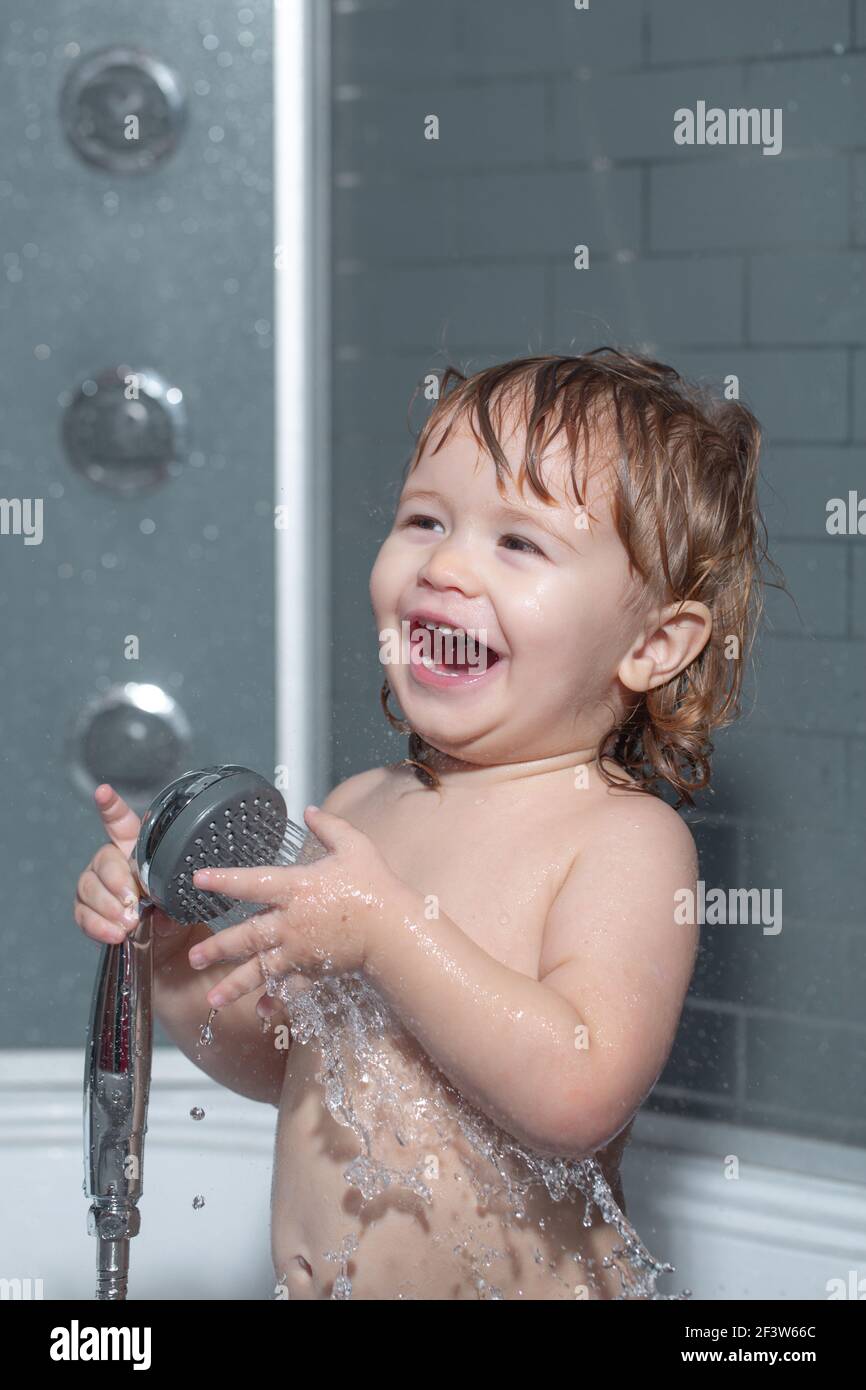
302 395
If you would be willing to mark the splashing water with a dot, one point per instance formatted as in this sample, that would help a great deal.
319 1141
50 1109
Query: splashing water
205 1035
342 1283
368 1088
374 1085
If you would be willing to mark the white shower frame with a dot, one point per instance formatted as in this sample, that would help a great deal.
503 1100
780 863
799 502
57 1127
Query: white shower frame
302 257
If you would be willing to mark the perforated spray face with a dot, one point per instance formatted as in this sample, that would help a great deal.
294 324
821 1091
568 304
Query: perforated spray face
217 817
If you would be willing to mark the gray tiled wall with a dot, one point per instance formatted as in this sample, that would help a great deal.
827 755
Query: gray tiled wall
556 128
172 269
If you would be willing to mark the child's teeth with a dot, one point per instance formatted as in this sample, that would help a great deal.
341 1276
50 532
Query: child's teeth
473 649
432 666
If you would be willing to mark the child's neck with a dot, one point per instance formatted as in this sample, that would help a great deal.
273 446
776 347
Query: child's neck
456 773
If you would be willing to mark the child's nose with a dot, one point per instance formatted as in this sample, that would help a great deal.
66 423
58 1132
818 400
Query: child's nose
450 565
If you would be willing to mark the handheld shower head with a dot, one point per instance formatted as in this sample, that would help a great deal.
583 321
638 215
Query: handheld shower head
218 817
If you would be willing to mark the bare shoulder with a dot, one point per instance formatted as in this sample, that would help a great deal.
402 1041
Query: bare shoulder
635 857
355 789
643 822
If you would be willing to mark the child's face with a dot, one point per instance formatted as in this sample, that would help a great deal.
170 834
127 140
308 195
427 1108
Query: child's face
552 597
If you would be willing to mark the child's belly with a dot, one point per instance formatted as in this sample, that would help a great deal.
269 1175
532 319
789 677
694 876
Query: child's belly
408 1248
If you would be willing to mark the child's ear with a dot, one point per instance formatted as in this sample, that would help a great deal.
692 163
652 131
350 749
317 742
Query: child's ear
679 634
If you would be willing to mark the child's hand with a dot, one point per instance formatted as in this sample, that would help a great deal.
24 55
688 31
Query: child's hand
106 903
321 916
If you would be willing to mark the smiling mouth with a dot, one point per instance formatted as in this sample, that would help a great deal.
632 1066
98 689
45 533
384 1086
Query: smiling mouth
441 655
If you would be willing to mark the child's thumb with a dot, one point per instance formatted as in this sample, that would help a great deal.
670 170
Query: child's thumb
119 820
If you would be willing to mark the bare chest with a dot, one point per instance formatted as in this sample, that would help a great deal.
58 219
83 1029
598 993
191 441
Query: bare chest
494 865
494 869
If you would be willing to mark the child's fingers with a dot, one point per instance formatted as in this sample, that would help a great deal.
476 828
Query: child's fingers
114 872
120 820
254 885
95 926
245 980
252 937
93 894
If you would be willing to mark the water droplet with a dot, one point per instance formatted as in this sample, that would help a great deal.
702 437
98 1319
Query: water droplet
205 1036
198 1202
197 1113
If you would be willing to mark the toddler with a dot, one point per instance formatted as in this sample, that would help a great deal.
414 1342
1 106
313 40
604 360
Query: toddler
565 602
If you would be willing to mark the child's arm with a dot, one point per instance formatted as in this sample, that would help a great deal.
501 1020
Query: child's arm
241 1056
563 1061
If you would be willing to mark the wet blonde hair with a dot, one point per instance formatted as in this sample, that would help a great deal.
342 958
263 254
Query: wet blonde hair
684 503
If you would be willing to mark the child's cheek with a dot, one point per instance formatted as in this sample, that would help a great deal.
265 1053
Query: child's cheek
381 596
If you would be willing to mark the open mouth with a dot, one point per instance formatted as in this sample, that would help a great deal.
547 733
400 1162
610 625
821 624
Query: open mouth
443 655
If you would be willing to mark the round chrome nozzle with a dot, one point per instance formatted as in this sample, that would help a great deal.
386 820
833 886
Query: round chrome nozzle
212 817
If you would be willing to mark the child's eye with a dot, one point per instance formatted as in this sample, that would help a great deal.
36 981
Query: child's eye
532 549
426 523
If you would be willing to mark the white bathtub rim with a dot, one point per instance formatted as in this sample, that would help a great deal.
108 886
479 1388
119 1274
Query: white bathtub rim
59 1072
677 1165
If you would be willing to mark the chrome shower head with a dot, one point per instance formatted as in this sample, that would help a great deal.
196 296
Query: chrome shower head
215 817
218 816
